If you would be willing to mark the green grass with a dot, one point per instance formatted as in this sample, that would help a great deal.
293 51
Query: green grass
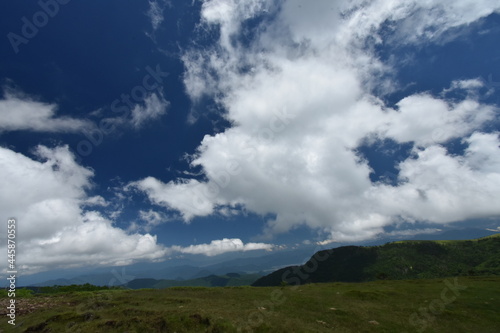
381 306
23 292
492 236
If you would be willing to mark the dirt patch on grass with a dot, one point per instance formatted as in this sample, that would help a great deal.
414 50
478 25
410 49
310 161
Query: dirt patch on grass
31 304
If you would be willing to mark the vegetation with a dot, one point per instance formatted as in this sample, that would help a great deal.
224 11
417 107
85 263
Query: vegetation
23 292
379 306
395 261
413 286
68 289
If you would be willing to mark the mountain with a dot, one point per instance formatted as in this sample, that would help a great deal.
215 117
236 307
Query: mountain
397 260
141 283
228 280
188 267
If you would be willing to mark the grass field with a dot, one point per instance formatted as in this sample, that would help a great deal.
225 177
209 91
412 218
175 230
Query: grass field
464 304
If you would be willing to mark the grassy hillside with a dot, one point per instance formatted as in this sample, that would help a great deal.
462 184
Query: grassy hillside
466 304
398 260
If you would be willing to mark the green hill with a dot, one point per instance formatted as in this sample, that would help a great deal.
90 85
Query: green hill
397 260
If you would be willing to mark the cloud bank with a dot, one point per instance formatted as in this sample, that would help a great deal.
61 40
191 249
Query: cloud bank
48 197
301 93
59 224
225 245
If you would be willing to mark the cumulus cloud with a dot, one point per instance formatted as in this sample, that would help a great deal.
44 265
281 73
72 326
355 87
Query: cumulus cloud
182 195
441 188
18 112
225 245
301 100
56 226
426 120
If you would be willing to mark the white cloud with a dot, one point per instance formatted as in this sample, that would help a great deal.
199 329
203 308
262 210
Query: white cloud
18 112
301 102
143 112
155 12
96 201
413 232
467 84
154 107
47 196
426 120
225 245
152 219
442 188
186 196
326 242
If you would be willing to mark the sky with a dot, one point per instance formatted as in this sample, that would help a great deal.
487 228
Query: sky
140 130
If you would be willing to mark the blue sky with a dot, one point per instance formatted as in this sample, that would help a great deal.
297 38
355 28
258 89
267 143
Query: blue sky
138 130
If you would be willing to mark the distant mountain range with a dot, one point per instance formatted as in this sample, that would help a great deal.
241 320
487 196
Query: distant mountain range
191 267
179 269
228 280
397 260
